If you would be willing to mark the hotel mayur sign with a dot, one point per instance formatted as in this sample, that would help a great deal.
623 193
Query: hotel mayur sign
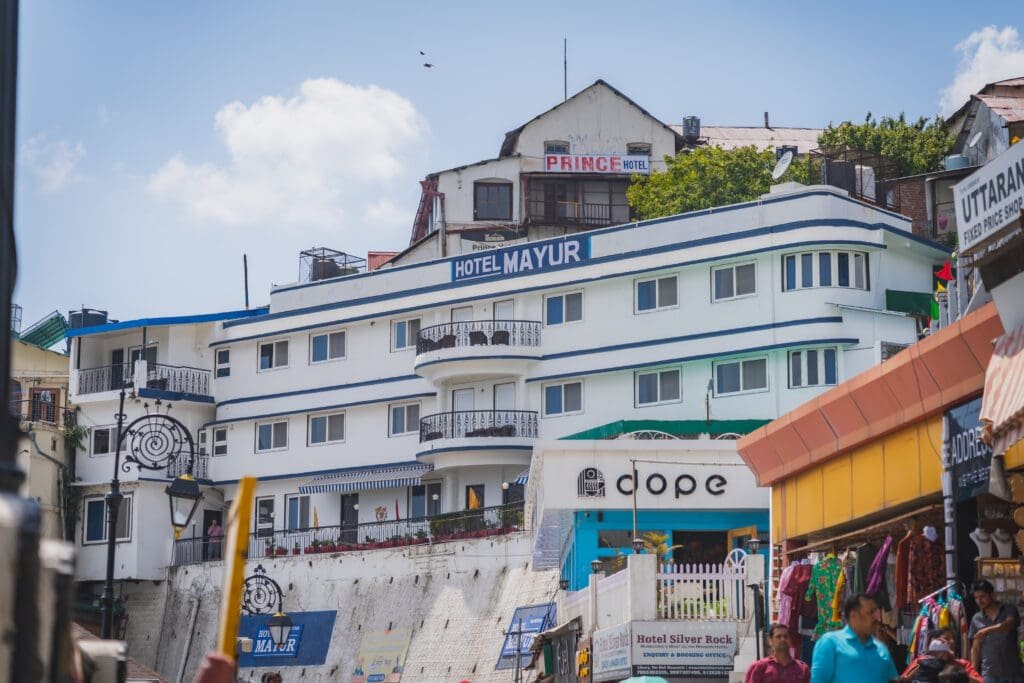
991 198
597 163
525 259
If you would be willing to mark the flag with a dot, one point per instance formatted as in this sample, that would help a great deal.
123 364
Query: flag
474 502
946 272
939 288
316 519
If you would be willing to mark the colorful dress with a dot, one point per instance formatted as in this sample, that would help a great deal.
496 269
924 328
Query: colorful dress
824 579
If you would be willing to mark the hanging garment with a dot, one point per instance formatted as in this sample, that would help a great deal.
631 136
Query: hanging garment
876 583
822 589
902 558
865 557
786 598
837 597
926 567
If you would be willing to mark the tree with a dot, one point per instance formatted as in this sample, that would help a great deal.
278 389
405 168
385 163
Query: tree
917 147
707 177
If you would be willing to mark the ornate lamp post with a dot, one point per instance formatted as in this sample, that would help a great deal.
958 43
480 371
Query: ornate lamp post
262 595
154 441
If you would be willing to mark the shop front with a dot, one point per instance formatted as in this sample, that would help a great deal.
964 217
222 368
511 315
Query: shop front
858 496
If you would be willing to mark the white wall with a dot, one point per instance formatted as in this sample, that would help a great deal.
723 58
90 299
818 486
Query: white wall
457 187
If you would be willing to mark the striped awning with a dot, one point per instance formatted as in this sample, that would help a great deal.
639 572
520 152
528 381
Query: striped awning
367 478
522 477
1002 407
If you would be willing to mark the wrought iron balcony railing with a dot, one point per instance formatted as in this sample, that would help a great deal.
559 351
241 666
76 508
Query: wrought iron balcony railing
181 379
42 411
464 524
470 424
105 378
478 333
200 469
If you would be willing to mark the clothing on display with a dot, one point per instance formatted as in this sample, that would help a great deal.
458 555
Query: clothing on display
925 567
1004 542
824 579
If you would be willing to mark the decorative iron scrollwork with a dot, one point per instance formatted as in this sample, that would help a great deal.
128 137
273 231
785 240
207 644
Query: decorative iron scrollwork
261 594
155 440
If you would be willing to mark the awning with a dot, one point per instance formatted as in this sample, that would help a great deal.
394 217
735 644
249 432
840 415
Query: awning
522 477
674 427
915 303
367 478
1002 407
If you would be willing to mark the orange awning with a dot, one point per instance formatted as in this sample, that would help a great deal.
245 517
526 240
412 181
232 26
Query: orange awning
1002 408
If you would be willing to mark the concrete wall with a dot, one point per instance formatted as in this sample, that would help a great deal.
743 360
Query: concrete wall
457 598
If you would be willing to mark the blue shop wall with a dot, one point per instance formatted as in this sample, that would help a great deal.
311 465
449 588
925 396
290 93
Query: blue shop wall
589 524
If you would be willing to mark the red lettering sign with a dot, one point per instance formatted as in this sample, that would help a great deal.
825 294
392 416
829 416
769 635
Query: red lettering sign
566 163
601 164
550 162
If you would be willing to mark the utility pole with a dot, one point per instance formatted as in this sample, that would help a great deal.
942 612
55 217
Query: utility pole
565 69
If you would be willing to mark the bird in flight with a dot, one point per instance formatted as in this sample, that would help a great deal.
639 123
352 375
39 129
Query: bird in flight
429 66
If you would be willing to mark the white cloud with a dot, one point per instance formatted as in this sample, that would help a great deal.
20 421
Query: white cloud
310 160
988 55
53 163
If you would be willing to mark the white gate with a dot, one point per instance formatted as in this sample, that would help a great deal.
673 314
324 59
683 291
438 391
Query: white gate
706 592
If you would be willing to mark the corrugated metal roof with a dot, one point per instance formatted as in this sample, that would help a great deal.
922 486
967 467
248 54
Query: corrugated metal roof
1011 109
731 137
46 332
171 320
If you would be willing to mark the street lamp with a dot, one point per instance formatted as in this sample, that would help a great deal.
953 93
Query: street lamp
595 566
280 627
638 545
155 441
263 595
753 545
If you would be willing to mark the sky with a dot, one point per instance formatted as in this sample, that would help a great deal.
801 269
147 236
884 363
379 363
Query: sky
159 142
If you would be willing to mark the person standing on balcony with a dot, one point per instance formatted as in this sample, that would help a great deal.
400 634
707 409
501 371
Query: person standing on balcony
853 655
779 666
215 533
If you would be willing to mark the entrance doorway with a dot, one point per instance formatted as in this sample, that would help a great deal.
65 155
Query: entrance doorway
350 517
700 547
212 550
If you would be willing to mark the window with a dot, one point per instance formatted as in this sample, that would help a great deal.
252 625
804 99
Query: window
813 368
556 147
403 333
563 308
274 355
297 508
660 386
326 428
658 293
847 269
422 502
103 440
589 203
405 418
271 436
732 282
325 347
202 442
220 441
562 399
492 201
619 538
741 376
95 520
639 149
223 365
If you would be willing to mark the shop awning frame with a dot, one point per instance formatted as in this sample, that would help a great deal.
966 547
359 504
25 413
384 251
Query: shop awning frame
367 478
1002 407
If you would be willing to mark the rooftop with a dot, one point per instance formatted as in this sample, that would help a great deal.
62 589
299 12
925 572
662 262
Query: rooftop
731 137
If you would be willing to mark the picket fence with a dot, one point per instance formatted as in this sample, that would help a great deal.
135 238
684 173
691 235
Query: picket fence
703 592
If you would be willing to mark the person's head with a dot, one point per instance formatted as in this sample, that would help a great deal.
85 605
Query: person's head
861 613
778 638
954 673
940 649
944 634
982 591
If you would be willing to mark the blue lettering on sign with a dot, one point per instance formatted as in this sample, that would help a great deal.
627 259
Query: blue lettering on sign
264 646
527 258
307 645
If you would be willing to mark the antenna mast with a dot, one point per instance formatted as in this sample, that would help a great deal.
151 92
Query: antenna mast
565 69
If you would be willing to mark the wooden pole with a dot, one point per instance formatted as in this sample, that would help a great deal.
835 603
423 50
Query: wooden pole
237 537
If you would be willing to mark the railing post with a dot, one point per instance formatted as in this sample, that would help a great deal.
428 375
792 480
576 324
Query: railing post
643 586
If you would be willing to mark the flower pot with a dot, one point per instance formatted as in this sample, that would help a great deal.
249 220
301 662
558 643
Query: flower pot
270 552
281 552
309 550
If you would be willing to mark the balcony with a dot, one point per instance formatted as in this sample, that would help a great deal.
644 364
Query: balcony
200 468
177 382
477 348
464 524
576 214
478 437
38 411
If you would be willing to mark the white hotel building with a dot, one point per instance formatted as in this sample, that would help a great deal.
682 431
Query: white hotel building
363 400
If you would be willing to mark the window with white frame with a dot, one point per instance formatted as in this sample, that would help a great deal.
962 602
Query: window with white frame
222 367
274 355
102 440
424 500
404 418
202 442
639 148
662 292
658 386
296 512
735 377
326 347
271 436
563 308
403 333
220 441
556 147
813 367
732 282
328 428
563 398
833 268
95 520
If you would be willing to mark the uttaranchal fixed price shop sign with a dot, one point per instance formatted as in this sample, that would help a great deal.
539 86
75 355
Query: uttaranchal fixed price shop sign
991 198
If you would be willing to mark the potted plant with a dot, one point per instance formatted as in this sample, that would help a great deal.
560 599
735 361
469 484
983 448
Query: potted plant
280 551
270 549
296 550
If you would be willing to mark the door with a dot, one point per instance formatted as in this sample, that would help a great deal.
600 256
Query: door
505 396
265 517
504 310
737 538
462 319
465 422
462 314
117 369
210 550
43 406
505 417
350 517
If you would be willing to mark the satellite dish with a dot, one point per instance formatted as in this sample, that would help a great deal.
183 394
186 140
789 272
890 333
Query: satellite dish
784 161
974 139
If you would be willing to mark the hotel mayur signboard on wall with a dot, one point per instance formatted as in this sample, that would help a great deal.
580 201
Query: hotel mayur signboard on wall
526 259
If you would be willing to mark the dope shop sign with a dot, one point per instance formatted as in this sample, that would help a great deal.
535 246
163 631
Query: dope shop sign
690 649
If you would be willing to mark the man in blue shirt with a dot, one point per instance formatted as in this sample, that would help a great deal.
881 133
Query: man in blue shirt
852 655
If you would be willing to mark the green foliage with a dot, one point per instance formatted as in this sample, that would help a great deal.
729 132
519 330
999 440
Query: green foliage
657 544
917 147
75 435
706 177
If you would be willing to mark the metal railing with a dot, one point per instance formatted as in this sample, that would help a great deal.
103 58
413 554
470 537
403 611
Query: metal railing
38 410
577 213
178 378
478 333
469 424
105 378
464 524
702 592
200 468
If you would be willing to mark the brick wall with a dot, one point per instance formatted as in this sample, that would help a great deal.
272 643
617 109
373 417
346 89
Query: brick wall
913 204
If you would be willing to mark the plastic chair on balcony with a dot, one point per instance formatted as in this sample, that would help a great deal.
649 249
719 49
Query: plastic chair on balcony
477 338
500 338
446 342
